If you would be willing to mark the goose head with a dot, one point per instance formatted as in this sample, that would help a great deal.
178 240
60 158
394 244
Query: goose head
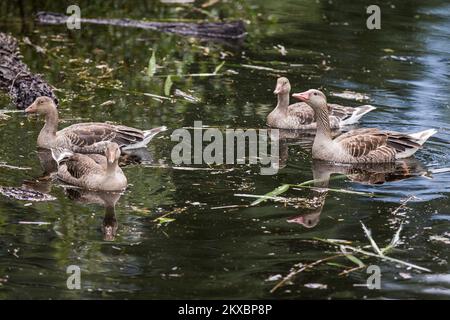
42 105
283 86
112 152
314 98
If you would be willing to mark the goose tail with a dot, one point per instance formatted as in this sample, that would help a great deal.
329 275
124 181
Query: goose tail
61 154
148 135
357 114
423 136
418 138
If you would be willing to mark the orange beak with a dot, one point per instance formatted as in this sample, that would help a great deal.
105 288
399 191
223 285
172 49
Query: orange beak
277 90
303 96
111 156
31 108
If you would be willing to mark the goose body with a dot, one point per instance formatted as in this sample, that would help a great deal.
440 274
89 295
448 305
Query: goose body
368 145
91 137
92 172
301 116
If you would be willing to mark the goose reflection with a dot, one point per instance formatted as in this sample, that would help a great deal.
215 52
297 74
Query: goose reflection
42 183
106 199
372 174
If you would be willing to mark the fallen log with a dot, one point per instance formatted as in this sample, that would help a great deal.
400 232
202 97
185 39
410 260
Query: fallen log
221 30
16 78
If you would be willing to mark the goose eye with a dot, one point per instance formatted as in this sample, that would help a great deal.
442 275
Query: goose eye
315 93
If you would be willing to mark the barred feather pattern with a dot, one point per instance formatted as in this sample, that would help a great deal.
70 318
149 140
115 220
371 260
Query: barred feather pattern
93 137
301 116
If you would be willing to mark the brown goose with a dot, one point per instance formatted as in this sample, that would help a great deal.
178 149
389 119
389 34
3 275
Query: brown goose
86 137
93 172
301 116
369 145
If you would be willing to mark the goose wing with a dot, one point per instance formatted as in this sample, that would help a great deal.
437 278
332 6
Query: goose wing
89 134
375 143
80 165
361 142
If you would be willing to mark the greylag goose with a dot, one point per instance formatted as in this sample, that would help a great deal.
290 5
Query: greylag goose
301 116
368 145
89 137
93 171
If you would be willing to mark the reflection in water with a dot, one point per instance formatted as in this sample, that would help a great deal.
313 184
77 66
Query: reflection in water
44 182
106 199
141 155
361 173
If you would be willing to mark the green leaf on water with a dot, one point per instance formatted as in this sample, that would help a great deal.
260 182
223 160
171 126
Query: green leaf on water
141 210
218 67
281 189
335 264
355 260
168 85
163 220
151 70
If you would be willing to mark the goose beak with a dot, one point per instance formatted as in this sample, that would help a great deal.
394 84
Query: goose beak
303 96
31 108
277 90
111 156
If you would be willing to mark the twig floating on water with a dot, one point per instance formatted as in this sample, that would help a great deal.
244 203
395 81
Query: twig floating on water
265 197
301 269
39 223
249 66
233 206
4 165
186 96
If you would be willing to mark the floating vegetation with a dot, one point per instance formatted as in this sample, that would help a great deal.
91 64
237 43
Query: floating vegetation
262 68
38 223
345 250
151 70
186 96
350 95
108 103
320 286
164 219
8 166
398 58
4 116
168 85
25 194
445 238
38 49
217 69
285 187
281 49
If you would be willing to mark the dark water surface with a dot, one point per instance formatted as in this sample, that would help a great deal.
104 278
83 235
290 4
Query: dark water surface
207 252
